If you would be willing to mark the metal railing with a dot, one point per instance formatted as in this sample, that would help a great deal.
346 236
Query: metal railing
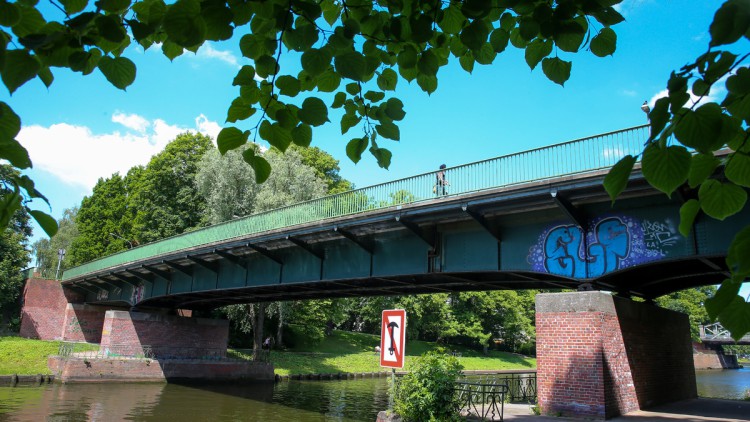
573 157
161 353
521 386
483 401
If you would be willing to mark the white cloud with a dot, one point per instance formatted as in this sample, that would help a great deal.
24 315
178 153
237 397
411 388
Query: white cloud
628 93
207 127
628 6
207 51
718 90
77 156
131 121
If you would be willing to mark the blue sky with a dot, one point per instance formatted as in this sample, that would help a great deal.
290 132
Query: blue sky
82 128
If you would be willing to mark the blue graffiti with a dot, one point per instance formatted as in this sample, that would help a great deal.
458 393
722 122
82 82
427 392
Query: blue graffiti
565 254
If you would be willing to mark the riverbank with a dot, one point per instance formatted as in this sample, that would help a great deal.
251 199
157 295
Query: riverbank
341 352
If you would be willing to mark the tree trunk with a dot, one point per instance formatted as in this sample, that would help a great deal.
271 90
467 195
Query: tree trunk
258 321
280 329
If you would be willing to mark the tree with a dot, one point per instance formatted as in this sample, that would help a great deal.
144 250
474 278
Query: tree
13 253
326 168
46 250
690 302
360 44
165 201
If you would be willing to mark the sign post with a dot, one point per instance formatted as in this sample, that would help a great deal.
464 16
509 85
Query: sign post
393 343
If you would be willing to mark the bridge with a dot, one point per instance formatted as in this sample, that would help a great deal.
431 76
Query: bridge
538 219
716 334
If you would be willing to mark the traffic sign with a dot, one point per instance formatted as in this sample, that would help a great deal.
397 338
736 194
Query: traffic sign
393 338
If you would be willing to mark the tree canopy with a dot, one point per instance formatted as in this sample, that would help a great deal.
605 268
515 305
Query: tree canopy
357 51
13 253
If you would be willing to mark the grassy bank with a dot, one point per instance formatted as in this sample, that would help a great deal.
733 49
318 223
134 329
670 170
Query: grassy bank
340 352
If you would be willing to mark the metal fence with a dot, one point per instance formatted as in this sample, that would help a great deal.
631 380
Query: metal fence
521 386
573 157
161 353
482 401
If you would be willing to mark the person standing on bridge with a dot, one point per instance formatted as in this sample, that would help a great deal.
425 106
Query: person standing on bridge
441 182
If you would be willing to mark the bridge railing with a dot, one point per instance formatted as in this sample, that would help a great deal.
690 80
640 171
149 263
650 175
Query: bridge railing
573 157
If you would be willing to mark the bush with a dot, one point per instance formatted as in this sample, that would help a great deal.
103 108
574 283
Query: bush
428 392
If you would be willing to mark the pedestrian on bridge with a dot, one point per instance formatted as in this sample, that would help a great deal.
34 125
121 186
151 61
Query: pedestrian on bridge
441 182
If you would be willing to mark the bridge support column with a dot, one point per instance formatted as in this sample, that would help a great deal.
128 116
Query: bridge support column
45 302
600 356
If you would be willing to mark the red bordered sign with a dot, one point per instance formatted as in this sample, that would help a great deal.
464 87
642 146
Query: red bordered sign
393 338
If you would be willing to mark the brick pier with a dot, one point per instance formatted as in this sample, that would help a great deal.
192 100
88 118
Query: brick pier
600 356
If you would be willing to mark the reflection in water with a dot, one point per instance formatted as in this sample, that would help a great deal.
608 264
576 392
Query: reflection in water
358 400
726 384
289 401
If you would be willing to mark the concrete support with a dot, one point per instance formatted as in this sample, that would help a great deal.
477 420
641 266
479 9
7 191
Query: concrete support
600 356
83 323
705 357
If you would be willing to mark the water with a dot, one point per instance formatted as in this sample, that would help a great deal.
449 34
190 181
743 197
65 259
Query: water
727 384
359 400
304 401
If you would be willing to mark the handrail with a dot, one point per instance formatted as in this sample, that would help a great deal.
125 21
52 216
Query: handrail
567 158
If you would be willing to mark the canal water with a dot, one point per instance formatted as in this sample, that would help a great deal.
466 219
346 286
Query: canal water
305 401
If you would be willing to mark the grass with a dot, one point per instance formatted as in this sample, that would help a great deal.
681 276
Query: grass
26 357
342 351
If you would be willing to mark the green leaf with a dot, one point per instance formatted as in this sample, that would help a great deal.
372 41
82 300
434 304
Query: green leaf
394 109
288 85
722 298
113 6
316 61
239 110
617 179
231 138
302 135
351 65
46 222
15 153
608 16
499 40
485 55
9 204
475 35
20 67
736 317
338 100
604 43
739 83
353 89
31 22
688 212
388 130
119 71
382 155
387 80
665 168
738 252
720 200
329 81
556 70
355 148
428 83
348 121
110 28
528 28
701 167
266 66
275 135
246 76
729 24
171 50
428 63
701 129
452 20
407 58
259 164
374 96
536 51
10 123
313 112
9 14
658 117
738 169
183 23
570 36
467 61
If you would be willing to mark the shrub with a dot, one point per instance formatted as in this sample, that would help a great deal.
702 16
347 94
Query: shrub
428 392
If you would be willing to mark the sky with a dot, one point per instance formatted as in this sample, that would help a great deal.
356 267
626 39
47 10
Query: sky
82 128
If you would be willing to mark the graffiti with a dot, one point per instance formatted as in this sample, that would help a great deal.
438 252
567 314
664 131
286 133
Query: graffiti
102 295
611 243
658 235
137 295
76 326
563 249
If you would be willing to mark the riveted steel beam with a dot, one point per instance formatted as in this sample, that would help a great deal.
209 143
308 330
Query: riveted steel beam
166 275
366 246
234 259
177 267
211 266
479 218
265 252
428 238
307 247
573 213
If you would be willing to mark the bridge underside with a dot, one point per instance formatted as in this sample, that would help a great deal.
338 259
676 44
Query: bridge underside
541 235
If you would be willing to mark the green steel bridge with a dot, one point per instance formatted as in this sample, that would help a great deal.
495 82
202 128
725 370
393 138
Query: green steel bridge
538 219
